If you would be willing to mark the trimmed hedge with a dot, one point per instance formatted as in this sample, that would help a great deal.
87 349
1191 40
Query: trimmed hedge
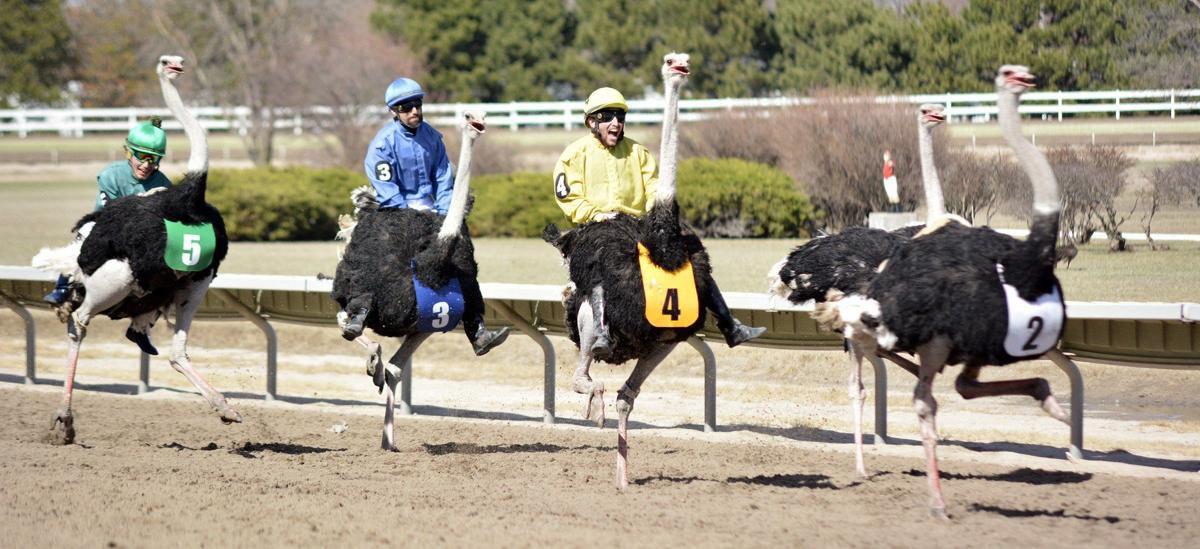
725 197
271 204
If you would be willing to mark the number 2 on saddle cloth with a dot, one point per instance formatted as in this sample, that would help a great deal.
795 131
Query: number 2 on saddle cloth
671 298
438 309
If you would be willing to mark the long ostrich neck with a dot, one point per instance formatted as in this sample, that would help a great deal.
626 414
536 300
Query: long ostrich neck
934 205
462 187
1045 187
198 161
670 134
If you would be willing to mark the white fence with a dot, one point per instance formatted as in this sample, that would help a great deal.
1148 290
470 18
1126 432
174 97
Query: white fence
568 114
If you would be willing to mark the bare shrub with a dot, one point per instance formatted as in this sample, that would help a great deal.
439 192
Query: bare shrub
1174 185
978 187
1090 179
832 147
489 156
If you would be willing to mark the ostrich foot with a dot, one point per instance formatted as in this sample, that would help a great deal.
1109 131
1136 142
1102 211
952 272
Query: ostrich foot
595 406
65 434
375 367
228 414
939 513
1050 405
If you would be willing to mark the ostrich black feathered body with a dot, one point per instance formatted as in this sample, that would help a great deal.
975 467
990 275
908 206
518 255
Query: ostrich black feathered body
131 228
946 284
845 261
605 254
377 268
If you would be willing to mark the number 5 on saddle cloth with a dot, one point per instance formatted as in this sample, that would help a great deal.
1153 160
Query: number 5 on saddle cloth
438 310
189 248
671 298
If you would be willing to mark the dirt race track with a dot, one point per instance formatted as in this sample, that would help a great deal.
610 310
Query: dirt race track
162 470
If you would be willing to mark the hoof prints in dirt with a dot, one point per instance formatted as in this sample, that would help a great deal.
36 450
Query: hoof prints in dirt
248 449
1040 513
1025 475
470 448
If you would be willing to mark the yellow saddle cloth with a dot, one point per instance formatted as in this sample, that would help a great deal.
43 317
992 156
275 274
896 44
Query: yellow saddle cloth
671 298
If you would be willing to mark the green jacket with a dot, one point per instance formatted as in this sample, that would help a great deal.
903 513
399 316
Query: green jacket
116 180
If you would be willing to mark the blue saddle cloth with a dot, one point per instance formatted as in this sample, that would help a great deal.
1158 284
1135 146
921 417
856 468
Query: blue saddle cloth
441 309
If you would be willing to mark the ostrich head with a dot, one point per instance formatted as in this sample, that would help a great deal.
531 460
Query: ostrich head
931 115
170 66
1015 79
675 69
473 124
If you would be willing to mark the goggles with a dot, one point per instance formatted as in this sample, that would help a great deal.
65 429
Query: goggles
145 158
408 106
607 115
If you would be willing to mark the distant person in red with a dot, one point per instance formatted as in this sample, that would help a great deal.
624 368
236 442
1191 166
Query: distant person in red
889 182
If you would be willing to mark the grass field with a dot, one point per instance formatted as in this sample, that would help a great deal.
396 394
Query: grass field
34 214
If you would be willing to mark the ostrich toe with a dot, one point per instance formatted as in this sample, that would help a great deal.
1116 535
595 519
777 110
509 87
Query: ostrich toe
62 428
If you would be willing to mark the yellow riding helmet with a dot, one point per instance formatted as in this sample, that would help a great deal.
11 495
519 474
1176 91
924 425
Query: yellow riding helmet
605 98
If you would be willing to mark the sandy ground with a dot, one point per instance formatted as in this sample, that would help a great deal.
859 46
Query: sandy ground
477 467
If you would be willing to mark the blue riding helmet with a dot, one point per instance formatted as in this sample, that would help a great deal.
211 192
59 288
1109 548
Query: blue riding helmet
401 90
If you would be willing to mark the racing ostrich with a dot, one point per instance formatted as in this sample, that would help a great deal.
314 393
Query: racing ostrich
128 268
396 257
603 259
845 263
969 295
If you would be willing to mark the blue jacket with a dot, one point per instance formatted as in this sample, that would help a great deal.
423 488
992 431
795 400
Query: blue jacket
410 169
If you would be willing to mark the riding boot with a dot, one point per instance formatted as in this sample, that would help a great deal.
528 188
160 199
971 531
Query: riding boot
59 295
142 340
483 339
735 332
354 324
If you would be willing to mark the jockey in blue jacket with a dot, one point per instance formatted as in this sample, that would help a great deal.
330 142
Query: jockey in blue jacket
406 161
408 167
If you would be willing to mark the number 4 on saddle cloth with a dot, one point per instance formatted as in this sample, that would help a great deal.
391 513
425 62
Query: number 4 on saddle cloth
189 247
671 298
438 310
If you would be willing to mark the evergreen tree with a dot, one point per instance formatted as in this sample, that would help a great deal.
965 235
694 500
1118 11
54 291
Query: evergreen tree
35 51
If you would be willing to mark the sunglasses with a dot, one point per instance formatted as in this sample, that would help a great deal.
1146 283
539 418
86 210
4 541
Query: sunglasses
408 106
145 158
607 115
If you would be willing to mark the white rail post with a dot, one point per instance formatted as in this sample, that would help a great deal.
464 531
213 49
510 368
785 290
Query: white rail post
22 122
1060 105
1072 371
513 119
548 380
1117 108
710 383
143 374
264 327
30 337
881 393
1172 104
406 388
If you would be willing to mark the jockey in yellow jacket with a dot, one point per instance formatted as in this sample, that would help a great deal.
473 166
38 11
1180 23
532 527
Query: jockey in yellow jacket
606 173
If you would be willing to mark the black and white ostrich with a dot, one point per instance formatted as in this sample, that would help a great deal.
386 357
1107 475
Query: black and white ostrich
603 260
122 267
969 295
846 262
391 247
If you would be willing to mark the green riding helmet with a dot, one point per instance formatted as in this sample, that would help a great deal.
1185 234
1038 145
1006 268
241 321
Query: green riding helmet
148 138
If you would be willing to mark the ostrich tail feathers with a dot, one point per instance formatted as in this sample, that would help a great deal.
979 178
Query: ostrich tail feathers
364 199
63 261
775 284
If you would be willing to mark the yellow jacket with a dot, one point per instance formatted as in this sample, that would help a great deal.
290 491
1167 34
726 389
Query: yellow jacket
591 179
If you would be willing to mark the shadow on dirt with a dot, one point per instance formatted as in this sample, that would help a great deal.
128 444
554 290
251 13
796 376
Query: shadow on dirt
474 449
1023 513
1024 475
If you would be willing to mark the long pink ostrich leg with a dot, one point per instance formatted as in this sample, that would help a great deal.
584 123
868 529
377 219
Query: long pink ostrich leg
625 397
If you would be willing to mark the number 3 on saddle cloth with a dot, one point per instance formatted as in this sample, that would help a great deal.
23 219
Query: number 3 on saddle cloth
671 298
438 310
189 247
